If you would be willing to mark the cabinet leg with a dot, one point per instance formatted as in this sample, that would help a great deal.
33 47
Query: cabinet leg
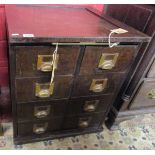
114 119
1 130
115 125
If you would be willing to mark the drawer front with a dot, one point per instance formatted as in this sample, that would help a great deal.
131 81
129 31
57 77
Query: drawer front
145 96
98 60
39 128
36 60
96 85
88 105
35 89
151 73
83 121
41 110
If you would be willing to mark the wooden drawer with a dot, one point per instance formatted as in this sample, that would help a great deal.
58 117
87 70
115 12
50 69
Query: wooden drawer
29 89
27 59
145 96
88 105
83 121
99 59
39 128
151 73
96 85
41 110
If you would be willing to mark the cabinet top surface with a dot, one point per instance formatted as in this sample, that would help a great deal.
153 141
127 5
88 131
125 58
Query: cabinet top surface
63 24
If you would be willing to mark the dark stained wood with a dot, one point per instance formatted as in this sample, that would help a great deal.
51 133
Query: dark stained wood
93 120
25 129
12 88
141 17
113 20
81 26
26 111
150 27
113 10
82 84
93 55
25 88
78 105
136 16
27 57
54 135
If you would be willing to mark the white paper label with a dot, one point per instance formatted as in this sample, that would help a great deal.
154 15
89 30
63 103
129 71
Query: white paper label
15 34
28 35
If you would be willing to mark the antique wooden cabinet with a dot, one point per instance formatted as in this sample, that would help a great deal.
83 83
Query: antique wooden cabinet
64 73
136 96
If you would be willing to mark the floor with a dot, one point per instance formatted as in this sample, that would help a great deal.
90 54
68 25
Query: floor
138 133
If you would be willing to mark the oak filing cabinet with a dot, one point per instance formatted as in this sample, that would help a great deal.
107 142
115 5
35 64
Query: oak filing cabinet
64 73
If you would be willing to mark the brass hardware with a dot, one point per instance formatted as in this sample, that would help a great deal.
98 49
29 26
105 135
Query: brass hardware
82 43
40 128
151 94
98 85
45 63
83 124
41 111
44 90
108 60
90 106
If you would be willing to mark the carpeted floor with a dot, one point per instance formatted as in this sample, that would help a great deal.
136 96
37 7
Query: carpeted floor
138 133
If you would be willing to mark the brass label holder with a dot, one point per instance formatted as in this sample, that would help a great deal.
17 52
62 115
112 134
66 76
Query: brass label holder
45 63
98 85
90 106
108 60
81 44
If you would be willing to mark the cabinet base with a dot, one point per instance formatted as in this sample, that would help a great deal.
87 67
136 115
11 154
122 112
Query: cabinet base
63 134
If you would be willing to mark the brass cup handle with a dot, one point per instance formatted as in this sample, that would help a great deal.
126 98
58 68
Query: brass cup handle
89 108
39 130
44 90
46 67
41 114
83 124
44 93
108 64
98 88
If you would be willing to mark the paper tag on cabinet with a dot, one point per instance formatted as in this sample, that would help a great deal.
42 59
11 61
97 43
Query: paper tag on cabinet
28 35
